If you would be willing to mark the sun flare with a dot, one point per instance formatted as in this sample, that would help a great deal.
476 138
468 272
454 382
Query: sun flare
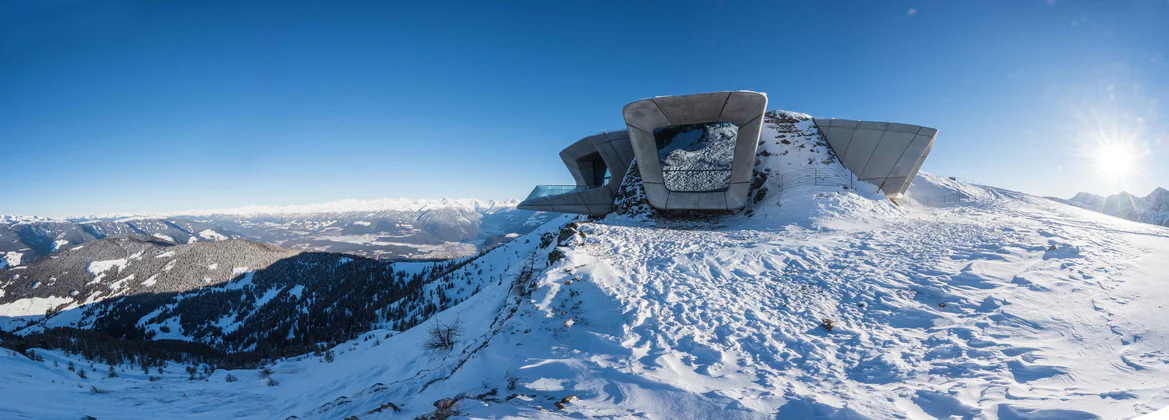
1115 160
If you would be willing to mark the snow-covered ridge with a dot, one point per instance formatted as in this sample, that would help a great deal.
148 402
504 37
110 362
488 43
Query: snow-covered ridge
1153 208
10 219
339 206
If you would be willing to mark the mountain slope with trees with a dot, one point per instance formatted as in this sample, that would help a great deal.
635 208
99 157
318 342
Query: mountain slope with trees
242 301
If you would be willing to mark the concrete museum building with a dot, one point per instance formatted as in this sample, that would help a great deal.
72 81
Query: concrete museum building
697 152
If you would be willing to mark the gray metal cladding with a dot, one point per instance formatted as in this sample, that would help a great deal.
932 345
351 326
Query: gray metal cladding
744 109
882 153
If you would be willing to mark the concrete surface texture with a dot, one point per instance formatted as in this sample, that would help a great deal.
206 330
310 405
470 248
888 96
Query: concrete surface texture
885 154
744 109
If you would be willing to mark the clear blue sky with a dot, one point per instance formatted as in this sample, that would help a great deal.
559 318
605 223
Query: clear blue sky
167 105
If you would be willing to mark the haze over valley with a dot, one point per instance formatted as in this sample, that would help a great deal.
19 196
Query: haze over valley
389 229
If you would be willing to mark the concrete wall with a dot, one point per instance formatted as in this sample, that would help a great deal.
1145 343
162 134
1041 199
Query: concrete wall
614 149
885 154
743 108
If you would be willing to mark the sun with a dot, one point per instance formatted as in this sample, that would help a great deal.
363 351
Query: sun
1115 160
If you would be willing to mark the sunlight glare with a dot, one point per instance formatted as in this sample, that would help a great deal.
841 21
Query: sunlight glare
1114 160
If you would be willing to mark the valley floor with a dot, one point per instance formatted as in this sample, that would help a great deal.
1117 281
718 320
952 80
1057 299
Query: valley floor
1002 307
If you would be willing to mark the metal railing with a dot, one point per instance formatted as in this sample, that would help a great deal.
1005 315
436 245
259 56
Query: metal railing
820 176
775 184
697 180
944 199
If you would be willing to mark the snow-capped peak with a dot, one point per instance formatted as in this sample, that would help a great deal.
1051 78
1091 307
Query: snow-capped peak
351 205
1152 208
339 206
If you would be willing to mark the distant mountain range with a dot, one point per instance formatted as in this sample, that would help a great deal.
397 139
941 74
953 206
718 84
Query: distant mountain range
24 239
229 296
242 284
1152 208
394 229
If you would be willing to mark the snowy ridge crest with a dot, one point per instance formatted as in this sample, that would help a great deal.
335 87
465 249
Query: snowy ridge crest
339 206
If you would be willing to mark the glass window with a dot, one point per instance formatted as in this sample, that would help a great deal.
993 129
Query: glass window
697 157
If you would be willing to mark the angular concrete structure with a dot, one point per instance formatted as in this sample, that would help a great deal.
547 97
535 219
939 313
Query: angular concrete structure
597 163
885 154
697 152
646 117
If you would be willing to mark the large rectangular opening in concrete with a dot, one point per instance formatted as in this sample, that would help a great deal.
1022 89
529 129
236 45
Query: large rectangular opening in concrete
594 169
697 157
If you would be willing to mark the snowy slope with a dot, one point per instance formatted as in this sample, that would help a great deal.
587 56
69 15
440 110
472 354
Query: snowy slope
999 306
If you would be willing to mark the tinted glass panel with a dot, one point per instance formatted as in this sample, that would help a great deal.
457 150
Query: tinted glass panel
697 157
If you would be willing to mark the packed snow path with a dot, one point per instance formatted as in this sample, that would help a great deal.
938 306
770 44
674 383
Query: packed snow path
997 308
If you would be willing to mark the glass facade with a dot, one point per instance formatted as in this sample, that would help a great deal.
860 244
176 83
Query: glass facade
545 191
697 157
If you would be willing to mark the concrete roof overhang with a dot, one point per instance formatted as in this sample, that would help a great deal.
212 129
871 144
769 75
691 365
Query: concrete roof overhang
882 153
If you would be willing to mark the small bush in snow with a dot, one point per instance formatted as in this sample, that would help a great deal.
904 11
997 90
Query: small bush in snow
546 239
554 256
230 378
563 403
567 232
97 390
329 356
443 335
113 373
443 409
272 382
265 372
828 324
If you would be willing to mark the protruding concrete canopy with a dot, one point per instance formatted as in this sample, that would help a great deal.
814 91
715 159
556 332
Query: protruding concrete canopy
744 109
885 154
587 160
